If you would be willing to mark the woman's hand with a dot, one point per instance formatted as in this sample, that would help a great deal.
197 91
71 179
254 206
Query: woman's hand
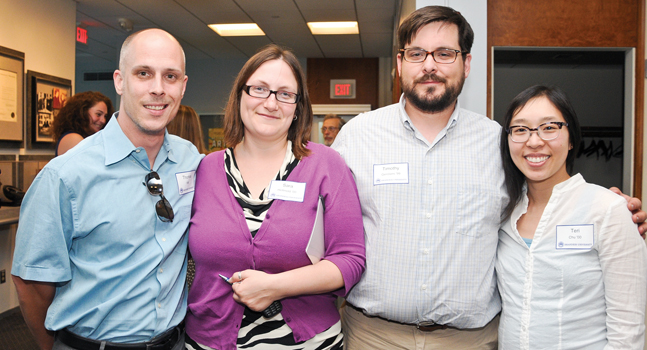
254 289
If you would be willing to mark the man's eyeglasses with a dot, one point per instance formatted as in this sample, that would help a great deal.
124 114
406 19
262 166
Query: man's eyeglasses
263 92
328 128
444 56
163 208
546 131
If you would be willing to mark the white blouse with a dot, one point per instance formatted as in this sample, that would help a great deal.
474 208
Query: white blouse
582 283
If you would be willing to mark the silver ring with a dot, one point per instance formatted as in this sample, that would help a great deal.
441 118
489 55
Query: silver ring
240 275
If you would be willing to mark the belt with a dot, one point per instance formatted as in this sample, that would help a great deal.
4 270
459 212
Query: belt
424 327
166 341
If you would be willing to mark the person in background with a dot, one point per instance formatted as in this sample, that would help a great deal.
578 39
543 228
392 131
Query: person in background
330 128
100 257
186 125
253 215
432 192
571 271
84 114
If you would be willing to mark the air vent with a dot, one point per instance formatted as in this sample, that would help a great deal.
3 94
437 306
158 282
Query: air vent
97 76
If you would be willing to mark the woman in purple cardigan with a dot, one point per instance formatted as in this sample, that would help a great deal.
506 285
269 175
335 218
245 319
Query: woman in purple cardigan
253 214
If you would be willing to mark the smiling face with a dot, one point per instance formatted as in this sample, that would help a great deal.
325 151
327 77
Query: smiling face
540 161
151 82
97 115
429 86
266 118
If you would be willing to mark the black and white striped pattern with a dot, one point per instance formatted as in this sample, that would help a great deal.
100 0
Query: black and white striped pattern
257 332
255 208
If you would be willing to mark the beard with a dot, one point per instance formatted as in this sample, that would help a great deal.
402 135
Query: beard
426 102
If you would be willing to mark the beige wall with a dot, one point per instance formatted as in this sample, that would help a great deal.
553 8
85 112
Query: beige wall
45 31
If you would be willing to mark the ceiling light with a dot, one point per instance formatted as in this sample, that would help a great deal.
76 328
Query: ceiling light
327 28
237 29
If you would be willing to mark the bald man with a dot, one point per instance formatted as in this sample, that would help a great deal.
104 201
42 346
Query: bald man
100 259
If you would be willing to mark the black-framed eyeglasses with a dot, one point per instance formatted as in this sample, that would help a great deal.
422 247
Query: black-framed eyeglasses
328 128
154 185
546 131
444 56
263 92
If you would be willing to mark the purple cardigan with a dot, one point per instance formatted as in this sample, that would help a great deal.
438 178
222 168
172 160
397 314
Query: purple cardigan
220 242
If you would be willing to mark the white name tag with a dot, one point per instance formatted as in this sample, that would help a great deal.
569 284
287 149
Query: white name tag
397 173
287 190
574 237
185 182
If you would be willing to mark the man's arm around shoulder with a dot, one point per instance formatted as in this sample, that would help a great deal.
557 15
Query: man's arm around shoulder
35 298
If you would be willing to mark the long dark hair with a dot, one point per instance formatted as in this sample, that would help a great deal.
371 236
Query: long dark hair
74 117
299 131
514 178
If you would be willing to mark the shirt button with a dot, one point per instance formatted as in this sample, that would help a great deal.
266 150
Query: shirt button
159 305
425 251
137 150
430 181
428 215
163 239
161 270
424 287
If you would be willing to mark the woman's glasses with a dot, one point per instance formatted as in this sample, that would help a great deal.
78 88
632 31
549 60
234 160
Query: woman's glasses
163 208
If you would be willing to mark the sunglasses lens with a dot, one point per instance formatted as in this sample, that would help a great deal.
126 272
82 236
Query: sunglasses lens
154 184
164 210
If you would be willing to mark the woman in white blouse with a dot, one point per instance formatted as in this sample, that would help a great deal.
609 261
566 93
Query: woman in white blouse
571 270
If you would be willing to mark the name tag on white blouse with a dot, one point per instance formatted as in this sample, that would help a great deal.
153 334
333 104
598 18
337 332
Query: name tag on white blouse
185 182
396 173
287 190
574 237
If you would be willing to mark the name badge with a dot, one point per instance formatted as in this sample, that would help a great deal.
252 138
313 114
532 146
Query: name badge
574 237
396 173
287 190
185 182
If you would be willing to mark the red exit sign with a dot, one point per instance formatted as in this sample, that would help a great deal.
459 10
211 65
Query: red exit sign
342 88
81 35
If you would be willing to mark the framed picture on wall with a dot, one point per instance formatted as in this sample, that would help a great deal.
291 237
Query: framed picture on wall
46 95
12 68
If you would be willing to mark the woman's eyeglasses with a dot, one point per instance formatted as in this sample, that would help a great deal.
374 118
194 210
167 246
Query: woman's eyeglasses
163 208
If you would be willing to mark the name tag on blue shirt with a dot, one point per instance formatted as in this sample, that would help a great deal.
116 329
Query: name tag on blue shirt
574 237
287 190
185 182
396 173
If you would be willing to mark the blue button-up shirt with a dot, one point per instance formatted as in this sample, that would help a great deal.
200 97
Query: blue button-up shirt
89 224
431 237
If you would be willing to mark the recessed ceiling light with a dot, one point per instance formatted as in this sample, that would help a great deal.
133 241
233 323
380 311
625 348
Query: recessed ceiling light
237 29
329 28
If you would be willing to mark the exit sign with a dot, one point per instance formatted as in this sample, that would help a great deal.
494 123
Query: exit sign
81 35
342 88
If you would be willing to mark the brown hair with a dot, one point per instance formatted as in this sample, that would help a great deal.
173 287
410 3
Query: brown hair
299 132
335 116
429 14
74 117
186 125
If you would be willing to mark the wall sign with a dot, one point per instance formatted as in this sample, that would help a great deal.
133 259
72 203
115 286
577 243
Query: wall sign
342 88
81 35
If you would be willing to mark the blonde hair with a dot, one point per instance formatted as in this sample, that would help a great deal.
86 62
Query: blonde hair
186 125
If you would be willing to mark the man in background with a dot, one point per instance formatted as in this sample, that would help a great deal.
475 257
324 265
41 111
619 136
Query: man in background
331 126
100 259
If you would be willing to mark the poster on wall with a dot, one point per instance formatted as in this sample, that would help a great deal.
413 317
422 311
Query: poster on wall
46 95
216 139
12 65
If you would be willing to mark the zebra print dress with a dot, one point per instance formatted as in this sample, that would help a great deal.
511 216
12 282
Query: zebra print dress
257 332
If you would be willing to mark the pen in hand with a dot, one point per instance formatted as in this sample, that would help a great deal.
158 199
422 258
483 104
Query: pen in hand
271 310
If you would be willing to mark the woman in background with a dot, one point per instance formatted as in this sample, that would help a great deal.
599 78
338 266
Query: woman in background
253 214
186 125
571 270
84 114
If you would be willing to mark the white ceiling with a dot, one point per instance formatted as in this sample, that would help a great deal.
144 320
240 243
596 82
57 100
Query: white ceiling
283 21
